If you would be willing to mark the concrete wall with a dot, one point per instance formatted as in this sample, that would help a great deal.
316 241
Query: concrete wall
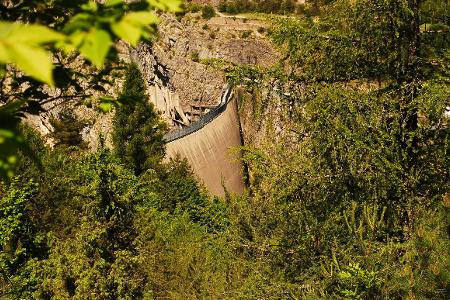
208 152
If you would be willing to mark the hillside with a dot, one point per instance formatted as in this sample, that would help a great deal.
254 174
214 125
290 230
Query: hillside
238 149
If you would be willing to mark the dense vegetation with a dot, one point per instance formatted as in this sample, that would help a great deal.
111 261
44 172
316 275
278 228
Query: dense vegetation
284 7
95 230
350 201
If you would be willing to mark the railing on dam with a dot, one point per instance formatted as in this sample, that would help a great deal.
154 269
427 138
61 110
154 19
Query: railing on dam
205 119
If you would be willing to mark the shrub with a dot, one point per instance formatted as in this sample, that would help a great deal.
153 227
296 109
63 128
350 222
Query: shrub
193 8
67 130
195 56
223 7
208 12
246 34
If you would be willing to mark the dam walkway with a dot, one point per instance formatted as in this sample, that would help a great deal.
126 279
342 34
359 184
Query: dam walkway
205 119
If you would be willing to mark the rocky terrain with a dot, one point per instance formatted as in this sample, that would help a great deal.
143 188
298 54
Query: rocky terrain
180 85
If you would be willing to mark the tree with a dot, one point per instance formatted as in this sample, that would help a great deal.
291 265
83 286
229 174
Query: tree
67 130
362 161
138 131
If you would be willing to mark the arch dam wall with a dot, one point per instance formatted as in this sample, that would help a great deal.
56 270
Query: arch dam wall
206 145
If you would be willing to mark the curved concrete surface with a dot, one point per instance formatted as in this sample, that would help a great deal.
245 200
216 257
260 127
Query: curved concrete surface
208 152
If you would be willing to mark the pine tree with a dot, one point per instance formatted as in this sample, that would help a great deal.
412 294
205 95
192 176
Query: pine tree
138 131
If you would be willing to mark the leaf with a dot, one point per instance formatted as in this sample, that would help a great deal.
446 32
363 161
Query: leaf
33 60
127 31
166 5
4 55
110 3
96 46
22 45
90 6
108 103
141 18
5 29
81 21
131 27
34 34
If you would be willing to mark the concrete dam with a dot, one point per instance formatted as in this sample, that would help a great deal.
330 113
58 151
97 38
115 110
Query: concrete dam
203 132
207 143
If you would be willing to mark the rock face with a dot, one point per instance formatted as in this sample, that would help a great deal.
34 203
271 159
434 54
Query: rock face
180 85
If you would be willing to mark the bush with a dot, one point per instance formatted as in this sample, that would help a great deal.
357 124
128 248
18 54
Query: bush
195 56
208 12
193 8
246 34
67 130
223 7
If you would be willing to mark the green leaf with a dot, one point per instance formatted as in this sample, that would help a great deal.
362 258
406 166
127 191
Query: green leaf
90 6
166 5
81 21
34 34
131 27
108 103
4 54
33 60
5 29
22 45
141 18
127 31
110 3
96 46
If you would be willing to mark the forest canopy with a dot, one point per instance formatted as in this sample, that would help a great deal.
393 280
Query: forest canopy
348 191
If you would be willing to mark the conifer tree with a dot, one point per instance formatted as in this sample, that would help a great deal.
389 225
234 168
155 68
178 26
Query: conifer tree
138 132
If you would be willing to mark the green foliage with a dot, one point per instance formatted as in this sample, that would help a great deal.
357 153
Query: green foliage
18 239
261 6
360 164
349 181
193 7
10 139
347 44
23 45
208 12
91 31
93 229
138 131
67 130
195 56
245 34
357 283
